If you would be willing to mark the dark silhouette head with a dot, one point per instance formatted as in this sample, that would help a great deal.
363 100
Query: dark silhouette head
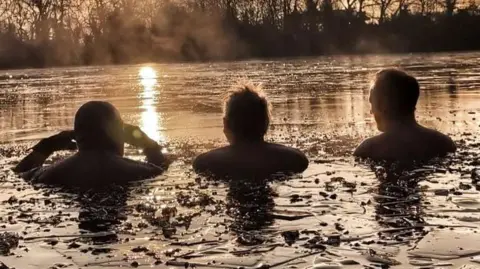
98 126
393 97
246 115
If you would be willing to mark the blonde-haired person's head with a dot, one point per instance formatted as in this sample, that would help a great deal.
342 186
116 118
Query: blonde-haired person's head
246 114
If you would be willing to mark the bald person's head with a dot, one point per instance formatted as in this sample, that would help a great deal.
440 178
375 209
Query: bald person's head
99 126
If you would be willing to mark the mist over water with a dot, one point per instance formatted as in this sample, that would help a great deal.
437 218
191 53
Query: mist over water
320 105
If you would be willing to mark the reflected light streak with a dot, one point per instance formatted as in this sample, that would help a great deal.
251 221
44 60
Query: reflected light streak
147 72
150 121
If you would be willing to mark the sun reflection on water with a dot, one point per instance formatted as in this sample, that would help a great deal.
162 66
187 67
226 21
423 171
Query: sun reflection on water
147 72
150 118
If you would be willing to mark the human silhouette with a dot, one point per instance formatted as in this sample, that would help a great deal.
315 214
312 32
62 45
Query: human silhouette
248 155
99 134
393 99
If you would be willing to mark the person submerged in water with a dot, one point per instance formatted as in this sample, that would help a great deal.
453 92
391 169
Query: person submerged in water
393 99
99 135
245 123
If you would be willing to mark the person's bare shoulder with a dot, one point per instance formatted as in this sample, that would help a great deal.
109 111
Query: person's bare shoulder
210 160
368 148
295 160
56 173
131 170
442 143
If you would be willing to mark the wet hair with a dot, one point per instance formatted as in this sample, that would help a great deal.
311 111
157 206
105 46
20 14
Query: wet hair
98 125
247 112
397 91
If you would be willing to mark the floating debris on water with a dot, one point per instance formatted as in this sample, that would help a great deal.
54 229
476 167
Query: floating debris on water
328 217
290 236
8 242
383 258
329 265
4 266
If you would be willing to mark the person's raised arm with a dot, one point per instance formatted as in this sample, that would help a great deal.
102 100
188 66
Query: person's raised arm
43 149
153 151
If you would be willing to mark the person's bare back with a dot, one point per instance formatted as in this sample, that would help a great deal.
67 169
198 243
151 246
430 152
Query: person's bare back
412 143
90 168
251 160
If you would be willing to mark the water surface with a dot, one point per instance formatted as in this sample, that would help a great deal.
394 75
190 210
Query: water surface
320 105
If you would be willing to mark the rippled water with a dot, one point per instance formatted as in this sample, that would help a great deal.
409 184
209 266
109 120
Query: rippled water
319 105
185 100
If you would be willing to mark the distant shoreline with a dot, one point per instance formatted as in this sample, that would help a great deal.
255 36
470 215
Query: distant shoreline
246 59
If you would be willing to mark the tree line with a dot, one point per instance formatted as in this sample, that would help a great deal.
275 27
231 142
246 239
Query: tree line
40 33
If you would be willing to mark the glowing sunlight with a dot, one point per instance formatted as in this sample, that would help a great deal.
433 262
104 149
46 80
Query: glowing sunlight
150 119
147 72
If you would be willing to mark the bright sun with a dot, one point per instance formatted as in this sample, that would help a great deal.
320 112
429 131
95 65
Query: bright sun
147 72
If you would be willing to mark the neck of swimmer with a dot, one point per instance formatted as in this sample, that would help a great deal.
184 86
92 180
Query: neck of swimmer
244 141
400 123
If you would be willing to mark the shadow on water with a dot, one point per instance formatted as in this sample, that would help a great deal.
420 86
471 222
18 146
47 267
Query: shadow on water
399 199
250 205
102 210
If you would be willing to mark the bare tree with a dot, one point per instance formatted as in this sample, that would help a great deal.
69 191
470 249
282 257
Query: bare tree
384 7
348 5
450 6
402 6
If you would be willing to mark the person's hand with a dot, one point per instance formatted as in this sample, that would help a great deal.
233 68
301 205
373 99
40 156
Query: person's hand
60 141
136 137
43 149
